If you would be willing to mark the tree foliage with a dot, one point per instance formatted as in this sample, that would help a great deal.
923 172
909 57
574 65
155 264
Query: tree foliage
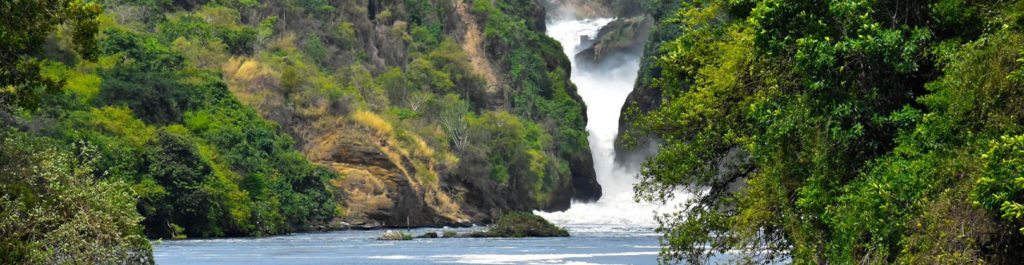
174 97
22 39
55 211
832 131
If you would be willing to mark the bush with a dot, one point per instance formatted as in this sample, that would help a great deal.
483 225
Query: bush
52 209
520 224
395 235
450 233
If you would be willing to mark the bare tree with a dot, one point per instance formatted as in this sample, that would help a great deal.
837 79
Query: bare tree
453 120
417 100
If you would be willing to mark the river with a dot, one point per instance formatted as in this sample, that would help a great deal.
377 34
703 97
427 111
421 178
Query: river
613 230
588 245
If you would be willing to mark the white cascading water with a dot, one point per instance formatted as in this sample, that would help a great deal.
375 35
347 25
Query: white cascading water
604 90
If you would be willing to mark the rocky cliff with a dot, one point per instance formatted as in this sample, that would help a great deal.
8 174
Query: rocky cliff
636 32
644 97
434 112
623 36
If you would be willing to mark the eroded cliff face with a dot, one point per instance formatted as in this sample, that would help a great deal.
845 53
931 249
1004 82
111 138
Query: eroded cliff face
638 31
645 97
404 159
624 37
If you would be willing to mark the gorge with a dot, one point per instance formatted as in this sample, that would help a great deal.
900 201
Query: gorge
297 131
603 85
614 229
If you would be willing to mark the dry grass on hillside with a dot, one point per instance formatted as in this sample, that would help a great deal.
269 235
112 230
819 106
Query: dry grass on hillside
371 120
252 82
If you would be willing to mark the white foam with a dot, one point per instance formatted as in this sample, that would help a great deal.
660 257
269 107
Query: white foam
587 263
531 258
604 90
393 257
514 258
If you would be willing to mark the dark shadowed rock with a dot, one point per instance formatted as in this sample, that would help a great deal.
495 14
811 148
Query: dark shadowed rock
584 179
645 97
428 235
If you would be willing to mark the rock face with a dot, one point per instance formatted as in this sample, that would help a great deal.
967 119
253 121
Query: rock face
622 36
584 181
645 97
394 235
385 180
380 187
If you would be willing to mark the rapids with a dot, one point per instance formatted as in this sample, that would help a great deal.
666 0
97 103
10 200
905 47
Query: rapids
604 89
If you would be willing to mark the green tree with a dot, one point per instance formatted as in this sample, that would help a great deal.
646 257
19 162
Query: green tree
833 131
174 163
314 49
55 211
23 36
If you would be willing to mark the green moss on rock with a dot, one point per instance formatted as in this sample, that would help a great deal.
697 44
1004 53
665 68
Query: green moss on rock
523 225
395 235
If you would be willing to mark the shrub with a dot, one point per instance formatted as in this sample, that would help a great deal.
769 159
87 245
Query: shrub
450 233
52 209
395 235
520 224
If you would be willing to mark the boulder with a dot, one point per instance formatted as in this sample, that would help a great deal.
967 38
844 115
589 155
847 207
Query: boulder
522 225
394 235
428 235
450 233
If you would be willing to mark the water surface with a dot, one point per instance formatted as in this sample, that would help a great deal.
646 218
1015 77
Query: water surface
588 245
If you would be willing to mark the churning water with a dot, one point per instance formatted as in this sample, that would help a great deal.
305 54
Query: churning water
604 88
360 247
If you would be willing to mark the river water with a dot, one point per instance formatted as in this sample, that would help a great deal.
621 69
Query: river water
613 230
588 245
604 88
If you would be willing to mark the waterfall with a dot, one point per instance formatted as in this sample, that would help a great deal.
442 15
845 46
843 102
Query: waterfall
604 90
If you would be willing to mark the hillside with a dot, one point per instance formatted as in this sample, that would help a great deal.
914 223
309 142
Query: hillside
243 118
835 132
808 132
414 103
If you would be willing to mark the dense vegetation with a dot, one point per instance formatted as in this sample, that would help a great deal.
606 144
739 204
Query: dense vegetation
542 90
845 131
391 76
198 161
200 118
397 72
52 209
646 96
